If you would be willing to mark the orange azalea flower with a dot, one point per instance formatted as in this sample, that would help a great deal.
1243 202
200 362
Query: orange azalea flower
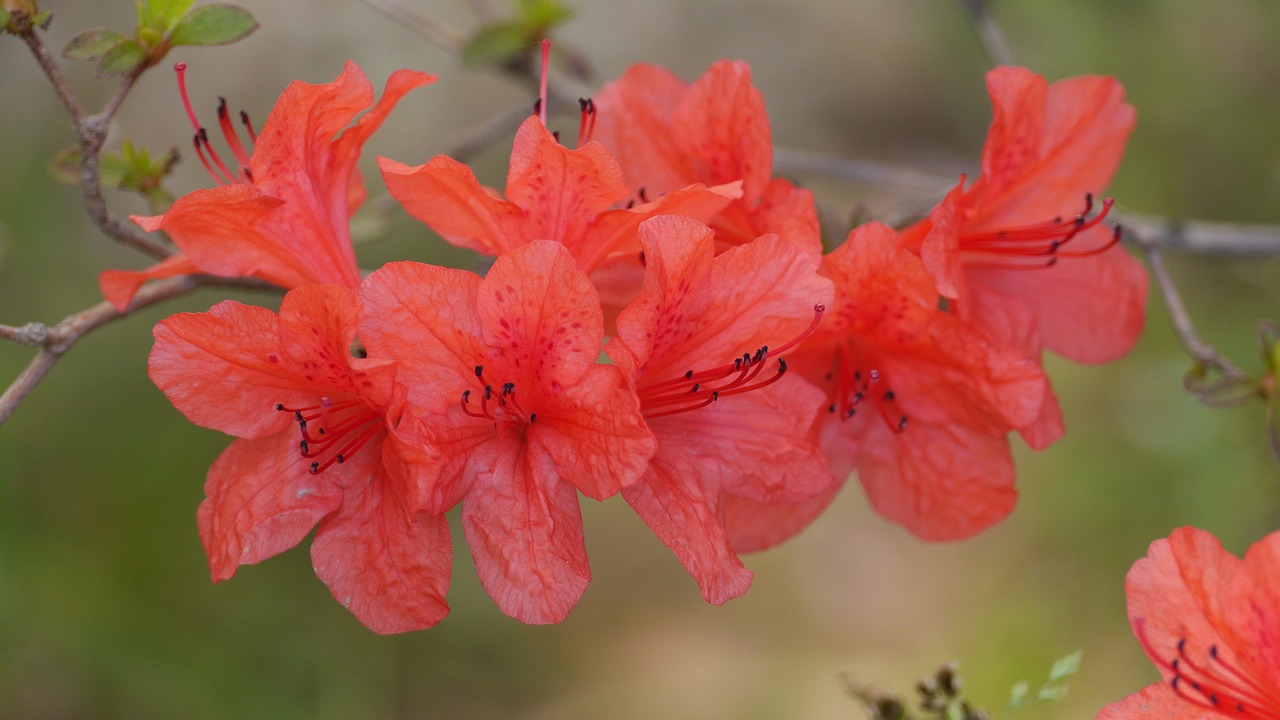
1208 620
553 193
501 376
313 449
282 214
668 134
918 401
1024 253
704 346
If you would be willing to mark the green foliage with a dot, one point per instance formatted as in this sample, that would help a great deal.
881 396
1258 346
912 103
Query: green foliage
217 24
507 41
162 25
132 169
1054 688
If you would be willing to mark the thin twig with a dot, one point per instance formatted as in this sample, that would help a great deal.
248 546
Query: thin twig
1203 353
795 161
54 73
91 131
57 340
442 35
1203 238
989 31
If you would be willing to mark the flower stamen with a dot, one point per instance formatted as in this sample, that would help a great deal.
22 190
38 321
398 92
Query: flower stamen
1038 245
698 389
341 429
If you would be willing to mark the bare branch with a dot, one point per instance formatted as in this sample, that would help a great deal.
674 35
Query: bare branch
989 31
806 162
445 37
1203 238
91 131
1204 354
54 73
57 340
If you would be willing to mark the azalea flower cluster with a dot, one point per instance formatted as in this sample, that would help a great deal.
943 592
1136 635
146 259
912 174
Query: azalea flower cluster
659 322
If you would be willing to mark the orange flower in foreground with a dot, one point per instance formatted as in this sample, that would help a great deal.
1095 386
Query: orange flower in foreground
501 376
705 344
282 214
1210 621
1024 254
553 193
918 402
314 449
668 134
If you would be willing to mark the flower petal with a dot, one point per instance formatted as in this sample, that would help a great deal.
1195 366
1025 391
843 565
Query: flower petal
224 370
386 563
119 286
525 531
1155 702
261 499
684 514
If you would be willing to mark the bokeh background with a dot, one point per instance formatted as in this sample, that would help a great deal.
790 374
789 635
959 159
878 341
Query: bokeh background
106 609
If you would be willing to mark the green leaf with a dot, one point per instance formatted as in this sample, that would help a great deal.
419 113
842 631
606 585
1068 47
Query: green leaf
955 711
163 15
1018 695
217 24
495 43
1065 667
121 59
65 166
112 170
92 44
1051 693
543 14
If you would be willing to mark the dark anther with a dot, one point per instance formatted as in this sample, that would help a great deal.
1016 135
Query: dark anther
488 392
479 370
204 136
831 408
715 395
688 375
537 106
279 406
466 396
321 431
782 365
888 395
247 172
556 135
583 104
303 447
902 423
1213 651
341 459
1213 698
533 418
508 388
631 204
244 117
643 198
695 387
1182 646
315 468
1174 682
851 412
857 376
737 364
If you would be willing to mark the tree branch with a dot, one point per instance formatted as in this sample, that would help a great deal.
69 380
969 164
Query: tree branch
989 31
55 341
91 133
1204 354
1203 238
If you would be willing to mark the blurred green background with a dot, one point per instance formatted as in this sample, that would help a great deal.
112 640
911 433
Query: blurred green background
106 609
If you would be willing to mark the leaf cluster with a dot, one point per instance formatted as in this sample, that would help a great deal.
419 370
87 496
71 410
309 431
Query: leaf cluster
162 25
513 40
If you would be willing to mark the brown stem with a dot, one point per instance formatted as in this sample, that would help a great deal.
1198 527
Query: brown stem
989 31
54 73
55 341
1204 354
91 131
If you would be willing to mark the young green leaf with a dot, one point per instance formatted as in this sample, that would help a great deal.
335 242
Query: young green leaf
92 44
1065 667
496 43
121 58
217 24
1018 695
